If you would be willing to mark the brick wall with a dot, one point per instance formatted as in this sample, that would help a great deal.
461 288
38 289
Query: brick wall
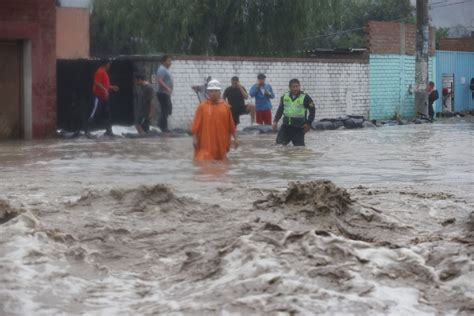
337 87
72 33
390 77
464 44
35 20
394 38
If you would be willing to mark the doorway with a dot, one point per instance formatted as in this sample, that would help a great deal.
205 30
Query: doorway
10 90
448 93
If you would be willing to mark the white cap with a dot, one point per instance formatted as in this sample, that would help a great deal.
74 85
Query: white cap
213 85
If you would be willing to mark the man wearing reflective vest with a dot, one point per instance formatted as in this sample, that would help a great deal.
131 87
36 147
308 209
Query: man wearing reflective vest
297 109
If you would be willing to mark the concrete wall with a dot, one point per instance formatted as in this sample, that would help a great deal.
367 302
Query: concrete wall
33 22
390 77
338 87
72 33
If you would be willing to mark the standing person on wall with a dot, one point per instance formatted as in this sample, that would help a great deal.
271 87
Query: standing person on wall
165 90
263 93
201 90
235 95
213 126
100 90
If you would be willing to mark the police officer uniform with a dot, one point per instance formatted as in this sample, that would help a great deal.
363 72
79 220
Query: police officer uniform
297 111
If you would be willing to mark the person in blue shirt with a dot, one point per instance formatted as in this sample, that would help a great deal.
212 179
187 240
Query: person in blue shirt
263 93
165 89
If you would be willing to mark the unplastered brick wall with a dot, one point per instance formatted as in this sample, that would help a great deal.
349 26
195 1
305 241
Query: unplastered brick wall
464 44
395 38
338 87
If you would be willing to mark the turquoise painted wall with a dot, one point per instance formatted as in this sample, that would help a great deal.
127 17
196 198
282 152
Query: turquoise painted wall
390 76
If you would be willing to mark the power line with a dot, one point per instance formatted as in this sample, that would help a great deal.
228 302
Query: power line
442 5
433 6
343 31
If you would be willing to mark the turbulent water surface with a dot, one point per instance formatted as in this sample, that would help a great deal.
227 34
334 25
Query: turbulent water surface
372 221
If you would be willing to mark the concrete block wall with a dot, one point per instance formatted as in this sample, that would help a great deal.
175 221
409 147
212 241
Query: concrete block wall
337 87
390 77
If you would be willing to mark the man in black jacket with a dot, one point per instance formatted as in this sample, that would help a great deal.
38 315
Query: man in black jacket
432 97
297 109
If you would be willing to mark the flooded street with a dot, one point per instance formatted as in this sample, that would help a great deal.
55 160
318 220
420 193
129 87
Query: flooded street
381 222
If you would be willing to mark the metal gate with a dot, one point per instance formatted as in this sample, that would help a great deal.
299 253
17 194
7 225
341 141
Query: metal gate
10 91
460 66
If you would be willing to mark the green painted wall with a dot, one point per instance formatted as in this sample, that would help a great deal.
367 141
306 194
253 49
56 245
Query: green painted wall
390 77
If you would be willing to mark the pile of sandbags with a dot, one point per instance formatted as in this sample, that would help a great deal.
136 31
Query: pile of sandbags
348 122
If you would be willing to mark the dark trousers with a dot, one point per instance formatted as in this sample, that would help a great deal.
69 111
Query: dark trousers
288 133
166 110
431 111
101 109
145 124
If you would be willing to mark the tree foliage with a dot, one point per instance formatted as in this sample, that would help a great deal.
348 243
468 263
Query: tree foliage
441 32
235 27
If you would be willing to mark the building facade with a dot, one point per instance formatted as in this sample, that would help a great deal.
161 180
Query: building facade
392 69
27 68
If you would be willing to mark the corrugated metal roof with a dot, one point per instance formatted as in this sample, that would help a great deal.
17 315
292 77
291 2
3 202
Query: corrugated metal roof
75 3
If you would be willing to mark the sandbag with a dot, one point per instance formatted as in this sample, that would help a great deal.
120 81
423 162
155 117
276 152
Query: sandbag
445 114
390 123
328 124
68 135
181 131
422 121
136 135
324 125
150 134
351 123
368 124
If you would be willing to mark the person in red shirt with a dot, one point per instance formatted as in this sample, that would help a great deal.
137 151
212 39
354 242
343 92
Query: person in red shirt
100 90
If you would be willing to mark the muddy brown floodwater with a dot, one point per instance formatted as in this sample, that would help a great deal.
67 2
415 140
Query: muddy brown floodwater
372 221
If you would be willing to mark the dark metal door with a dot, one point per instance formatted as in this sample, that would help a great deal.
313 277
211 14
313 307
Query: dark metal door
10 91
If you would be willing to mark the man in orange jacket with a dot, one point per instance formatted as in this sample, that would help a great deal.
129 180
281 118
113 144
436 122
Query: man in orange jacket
213 126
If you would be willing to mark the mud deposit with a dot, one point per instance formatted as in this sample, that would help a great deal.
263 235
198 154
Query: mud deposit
312 248
367 222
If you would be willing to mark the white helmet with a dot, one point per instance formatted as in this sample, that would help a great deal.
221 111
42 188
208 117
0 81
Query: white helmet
214 85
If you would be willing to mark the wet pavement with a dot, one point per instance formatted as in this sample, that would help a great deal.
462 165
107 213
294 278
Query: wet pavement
134 226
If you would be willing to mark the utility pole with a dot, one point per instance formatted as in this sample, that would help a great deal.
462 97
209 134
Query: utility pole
421 67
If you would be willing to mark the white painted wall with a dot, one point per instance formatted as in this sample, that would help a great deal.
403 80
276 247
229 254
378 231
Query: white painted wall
337 88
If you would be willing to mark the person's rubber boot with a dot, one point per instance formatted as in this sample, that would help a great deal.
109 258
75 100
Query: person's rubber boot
109 133
89 135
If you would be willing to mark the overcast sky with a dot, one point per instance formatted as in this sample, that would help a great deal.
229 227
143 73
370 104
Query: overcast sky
448 13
